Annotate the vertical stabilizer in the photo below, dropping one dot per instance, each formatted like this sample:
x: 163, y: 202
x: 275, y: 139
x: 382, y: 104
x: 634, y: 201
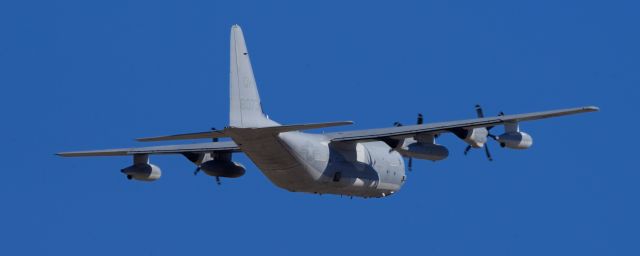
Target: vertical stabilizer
x: 245, y: 108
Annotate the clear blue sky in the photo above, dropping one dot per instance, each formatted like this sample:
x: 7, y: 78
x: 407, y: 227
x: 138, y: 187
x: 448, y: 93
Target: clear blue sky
x: 86, y: 74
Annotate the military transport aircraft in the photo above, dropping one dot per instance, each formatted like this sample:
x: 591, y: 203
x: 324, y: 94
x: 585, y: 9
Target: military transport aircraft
x: 364, y: 163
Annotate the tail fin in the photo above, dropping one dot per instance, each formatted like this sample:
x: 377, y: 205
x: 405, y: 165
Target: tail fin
x: 245, y: 107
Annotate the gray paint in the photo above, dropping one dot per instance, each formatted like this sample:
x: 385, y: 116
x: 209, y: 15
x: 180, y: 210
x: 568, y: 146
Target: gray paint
x: 366, y: 163
x: 245, y: 106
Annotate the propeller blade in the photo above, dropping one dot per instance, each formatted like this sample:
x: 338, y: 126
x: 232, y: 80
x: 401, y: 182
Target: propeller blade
x: 420, y: 119
x: 491, y: 127
x: 486, y: 150
x: 214, y: 139
x: 479, y: 111
x: 410, y: 163
x: 397, y: 124
x: 466, y: 150
x: 196, y: 171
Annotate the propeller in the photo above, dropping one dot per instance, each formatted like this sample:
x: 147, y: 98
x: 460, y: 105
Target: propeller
x: 216, y: 140
x: 480, y: 114
x: 217, y: 177
x: 420, y: 120
x: 197, y: 170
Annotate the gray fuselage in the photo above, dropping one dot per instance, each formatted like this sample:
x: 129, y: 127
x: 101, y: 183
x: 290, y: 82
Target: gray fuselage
x: 302, y: 162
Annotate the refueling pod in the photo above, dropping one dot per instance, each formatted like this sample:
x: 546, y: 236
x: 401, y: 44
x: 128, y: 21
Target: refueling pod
x: 513, y: 138
x: 142, y: 170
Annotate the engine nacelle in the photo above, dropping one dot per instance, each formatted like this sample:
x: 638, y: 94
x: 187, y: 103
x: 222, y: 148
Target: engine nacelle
x: 222, y: 168
x: 425, y: 151
x: 143, y: 172
x: 515, y: 140
x: 475, y: 137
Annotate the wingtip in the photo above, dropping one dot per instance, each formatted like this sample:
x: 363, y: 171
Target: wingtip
x: 592, y: 108
x: 345, y: 123
x: 62, y: 154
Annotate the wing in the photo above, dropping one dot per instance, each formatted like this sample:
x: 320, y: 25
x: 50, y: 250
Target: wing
x: 228, y: 146
x: 435, y: 128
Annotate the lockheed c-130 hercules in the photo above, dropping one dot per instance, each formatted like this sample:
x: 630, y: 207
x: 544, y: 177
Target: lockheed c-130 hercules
x: 364, y: 163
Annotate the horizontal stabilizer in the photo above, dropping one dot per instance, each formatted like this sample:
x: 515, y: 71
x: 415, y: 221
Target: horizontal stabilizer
x: 187, y: 136
x: 300, y: 127
x: 229, y: 146
x: 221, y: 133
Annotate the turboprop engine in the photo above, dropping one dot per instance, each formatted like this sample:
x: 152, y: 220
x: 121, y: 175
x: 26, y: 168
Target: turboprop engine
x: 476, y: 137
x: 423, y: 147
x: 217, y: 164
x: 425, y: 151
x: 222, y: 168
x: 142, y: 169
